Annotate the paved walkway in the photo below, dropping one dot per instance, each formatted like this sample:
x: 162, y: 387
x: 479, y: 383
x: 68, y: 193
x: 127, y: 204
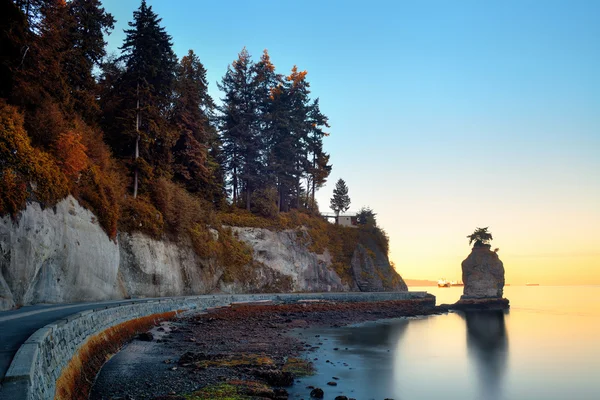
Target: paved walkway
x: 16, y: 326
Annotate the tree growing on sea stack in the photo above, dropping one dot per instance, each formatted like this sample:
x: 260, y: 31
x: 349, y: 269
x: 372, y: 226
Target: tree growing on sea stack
x: 340, y: 202
x: 481, y: 237
x: 483, y: 276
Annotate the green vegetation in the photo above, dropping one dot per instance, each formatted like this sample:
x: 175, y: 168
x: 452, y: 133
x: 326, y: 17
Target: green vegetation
x: 298, y: 367
x: 233, y: 390
x: 238, y: 360
x: 366, y: 216
x: 481, y: 237
x: 143, y: 140
x: 142, y: 144
x: 340, y: 202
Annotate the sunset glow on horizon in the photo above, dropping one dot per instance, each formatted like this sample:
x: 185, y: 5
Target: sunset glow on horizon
x: 445, y: 116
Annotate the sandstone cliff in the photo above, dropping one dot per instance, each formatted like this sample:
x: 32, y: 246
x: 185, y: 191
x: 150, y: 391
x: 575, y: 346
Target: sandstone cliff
x: 63, y: 255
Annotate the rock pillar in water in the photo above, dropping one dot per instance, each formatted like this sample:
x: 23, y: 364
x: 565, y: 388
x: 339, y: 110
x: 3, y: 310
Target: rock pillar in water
x: 482, y: 274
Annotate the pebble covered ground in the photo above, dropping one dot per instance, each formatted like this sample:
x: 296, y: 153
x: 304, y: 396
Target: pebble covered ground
x: 236, y: 352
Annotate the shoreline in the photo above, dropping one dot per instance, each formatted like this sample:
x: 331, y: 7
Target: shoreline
x: 248, y: 351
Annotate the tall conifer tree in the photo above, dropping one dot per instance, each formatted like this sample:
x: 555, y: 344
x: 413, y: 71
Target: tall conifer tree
x: 265, y: 80
x: 319, y: 168
x: 86, y: 50
x: 340, y: 202
x: 238, y: 123
x: 138, y: 124
x: 193, y: 106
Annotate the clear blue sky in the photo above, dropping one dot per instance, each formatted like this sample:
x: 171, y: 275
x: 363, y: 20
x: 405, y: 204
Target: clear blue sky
x: 445, y: 115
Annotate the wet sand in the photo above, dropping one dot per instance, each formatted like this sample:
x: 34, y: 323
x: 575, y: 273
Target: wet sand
x: 241, y: 342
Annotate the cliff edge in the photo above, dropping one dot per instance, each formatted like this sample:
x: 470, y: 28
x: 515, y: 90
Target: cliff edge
x: 62, y: 254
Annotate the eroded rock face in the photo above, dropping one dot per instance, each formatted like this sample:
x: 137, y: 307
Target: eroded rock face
x: 285, y: 253
x: 159, y: 268
x: 59, y: 254
x: 482, y: 274
x: 373, y: 273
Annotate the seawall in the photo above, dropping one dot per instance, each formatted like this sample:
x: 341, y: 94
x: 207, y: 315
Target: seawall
x: 41, y: 359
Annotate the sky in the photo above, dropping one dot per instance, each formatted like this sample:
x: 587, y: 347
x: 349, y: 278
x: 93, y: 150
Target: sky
x: 445, y: 116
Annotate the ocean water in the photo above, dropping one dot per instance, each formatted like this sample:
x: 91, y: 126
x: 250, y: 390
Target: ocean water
x: 546, y: 347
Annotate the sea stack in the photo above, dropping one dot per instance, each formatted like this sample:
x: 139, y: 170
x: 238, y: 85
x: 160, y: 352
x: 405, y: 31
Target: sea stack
x: 483, y: 276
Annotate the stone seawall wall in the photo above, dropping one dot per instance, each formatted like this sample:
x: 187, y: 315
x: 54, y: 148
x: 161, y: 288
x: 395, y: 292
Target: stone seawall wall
x: 41, y: 359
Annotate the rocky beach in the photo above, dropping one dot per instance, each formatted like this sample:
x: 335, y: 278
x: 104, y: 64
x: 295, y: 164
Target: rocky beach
x: 244, y: 351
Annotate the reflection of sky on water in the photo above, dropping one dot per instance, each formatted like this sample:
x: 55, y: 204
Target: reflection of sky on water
x: 553, y: 353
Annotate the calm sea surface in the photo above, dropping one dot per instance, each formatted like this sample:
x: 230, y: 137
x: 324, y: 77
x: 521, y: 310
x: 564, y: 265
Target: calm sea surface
x: 546, y: 347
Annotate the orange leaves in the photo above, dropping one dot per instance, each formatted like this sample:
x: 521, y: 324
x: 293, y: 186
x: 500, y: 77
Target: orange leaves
x: 14, y: 193
x: 140, y: 215
x: 275, y: 91
x: 23, y: 164
x: 296, y: 77
x: 266, y: 60
x: 71, y: 154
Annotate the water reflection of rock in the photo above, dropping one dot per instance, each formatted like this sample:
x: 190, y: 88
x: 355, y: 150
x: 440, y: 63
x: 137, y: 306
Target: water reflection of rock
x: 375, y: 334
x: 373, y: 343
x: 487, y: 343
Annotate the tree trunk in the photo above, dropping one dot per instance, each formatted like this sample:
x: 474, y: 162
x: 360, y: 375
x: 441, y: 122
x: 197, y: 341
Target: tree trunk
x: 308, y: 186
x: 247, y: 196
x: 137, y: 141
x: 282, y: 206
x: 278, y: 200
x: 313, y: 180
x: 298, y: 187
x: 234, y: 185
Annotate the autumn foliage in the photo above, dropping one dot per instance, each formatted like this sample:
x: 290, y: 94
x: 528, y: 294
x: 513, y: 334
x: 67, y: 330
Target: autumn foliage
x: 70, y: 154
x: 138, y: 140
x: 25, y: 170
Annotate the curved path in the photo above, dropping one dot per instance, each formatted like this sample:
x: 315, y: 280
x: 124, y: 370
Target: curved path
x: 16, y: 326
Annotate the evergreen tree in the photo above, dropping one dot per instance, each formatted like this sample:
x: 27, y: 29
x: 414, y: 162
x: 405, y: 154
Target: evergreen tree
x: 239, y: 129
x: 31, y: 10
x: 40, y: 87
x: 290, y: 137
x: 193, y: 165
x: 319, y: 168
x: 366, y: 216
x: 265, y: 80
x: 340, y: 202
x: 86, y: 50
x: 141, y: 99
x: 13, y: 36
x: 280, y: 145
x: 299, y: 109
x: 55, y: 71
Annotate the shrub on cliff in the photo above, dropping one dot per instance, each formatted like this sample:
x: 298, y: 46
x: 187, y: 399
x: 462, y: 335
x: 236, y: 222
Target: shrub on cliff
x: 264, y: 202
x: 180, y: 209
x: 366, y: 216
x: 141, y: 215
x: 14, y: 192
x: 25, y: 172
x: 368, y: 225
